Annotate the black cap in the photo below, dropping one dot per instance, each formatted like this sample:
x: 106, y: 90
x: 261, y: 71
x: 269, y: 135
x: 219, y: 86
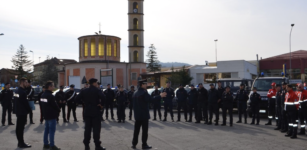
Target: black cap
x: 284, y: 83
x: 192, y: 85
x: 43, y: 87
x: 29, y: 81
x: 142, y: 82
x: 7, y: 84
x: 227, y: 86
x: 72, y: 86
x: 200, y: 84
x: 61, y: 87
x: 132, y: 86
x: 92, y: 80
x: 119, y: 86
x: 242, y: 84
x: 108, y: 84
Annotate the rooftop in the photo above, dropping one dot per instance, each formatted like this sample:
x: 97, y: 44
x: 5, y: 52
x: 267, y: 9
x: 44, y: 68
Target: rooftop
x: 295, y: 55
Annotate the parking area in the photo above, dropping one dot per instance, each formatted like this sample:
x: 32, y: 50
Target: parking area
x: 162, y: 135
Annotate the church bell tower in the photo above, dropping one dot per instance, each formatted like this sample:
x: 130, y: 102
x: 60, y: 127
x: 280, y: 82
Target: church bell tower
x: 136, y: 31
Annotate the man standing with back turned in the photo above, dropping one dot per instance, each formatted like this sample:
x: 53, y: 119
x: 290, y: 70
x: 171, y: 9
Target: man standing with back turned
x: 93, y: 100
x: 141, y: 99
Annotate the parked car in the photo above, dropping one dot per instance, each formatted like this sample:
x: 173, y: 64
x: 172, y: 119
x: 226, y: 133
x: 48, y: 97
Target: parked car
x: 37, y: 90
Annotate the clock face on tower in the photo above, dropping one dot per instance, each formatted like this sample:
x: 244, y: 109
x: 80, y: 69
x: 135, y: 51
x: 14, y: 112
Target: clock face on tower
x: 135, y: 10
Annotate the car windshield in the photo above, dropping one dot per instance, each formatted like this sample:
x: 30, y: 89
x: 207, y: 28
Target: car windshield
x: 37, y: 90
x: 265, y: 84
x: 234, y: 85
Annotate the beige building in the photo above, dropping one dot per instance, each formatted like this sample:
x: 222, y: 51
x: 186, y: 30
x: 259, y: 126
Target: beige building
x: 99, y: 55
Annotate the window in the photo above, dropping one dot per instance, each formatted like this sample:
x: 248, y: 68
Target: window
x: 135, y: 56
x: 135, y: 23
x: 115, y: 48
x: 101, y: 47
x: 135, y: 5
x: 93, y: 47
x: 135, y: 40
x: 133, y: 76
x: 109, y: 48
x: 226, y: 75
x: 85, y: 48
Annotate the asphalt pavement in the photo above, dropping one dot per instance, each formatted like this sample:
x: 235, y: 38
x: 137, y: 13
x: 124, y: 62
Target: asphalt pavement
x: 162, y: 135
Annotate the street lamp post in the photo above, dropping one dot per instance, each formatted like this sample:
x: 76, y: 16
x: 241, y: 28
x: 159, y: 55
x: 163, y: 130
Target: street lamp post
x: 32, y: 55
x: 290, y: 51
x: 216, y: 50
x: 1, y: 34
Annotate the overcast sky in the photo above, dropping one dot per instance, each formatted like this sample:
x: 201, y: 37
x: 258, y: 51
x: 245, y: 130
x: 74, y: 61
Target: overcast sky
x: 181, y: 30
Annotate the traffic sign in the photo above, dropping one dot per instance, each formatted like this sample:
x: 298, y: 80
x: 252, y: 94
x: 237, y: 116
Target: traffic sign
x: 16, y: 80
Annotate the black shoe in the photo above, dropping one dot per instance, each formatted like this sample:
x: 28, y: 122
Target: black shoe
x: 24, y: 145
x: 245, y: 122
x: 3, y: 124
x: 197, y: 122
x: 239, y: 121
x: 46, y: 147
x: 223, y: 124
x: 54, y: 148
x: 178, y: 120
x: 65, y: 121
x: 209, y: 123
x: 146, y: 147
x: 231, y: 125
x: 173, y: 120
x: 32, y: 123
x: 130, y: 118
x: 112, y: 118
x: 252, y: 123
x: 133, y: 147
x: 190, y: 121
x: 100, y: 148
x: 164, y: 119
x: 293, y: 137
x: 11, y: 124
x: 87, y: 147
x: 216, y: 124
x: 154, y: 119
x: 277, y: 129
x: 283, y: 131
x: 106, y: 118
x: 119, y: 121
x: 76, y: 121
x: 269, y: 123
x: 288, y: 135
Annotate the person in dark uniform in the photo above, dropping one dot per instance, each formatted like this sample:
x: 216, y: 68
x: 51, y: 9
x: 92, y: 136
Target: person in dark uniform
x: 192, y: 102
x: 41, y: 119
x: 71, y: 104
x: 121, y: 99
x: 60, y: 98
x: 85, y: 86
x: 277, y: 107
x: 182, y: 96
x: 213, y: 100
x: 284, y: 122
x: 141, y: 100
x: 168, y: 101
x: 30, y: 94
x: 6, y: 102
x: 220, y: 90
x: 109, y: 93
x: 51, y: 113
x: 255, y: 100
x: 94, y: 100
x: 202, y: 104
x: 241, y: 98
x: 157, y: 104
x: 22, y: 110
x: 302, y: 109
x: 291, y: 106
x: 130, y: 94
x: 227, y: 100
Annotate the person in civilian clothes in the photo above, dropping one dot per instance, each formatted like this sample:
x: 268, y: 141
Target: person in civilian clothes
x: 51, y: 113
x: 157, y: 104
x: 22, y: 110
x: 255, y: 100
x: 130, y: 94
x: 6, y: 102
x: 227, y: 99
x: 41, y: 119
x: 192, y: 102
x: 71, y: 104
x: 121, y: 99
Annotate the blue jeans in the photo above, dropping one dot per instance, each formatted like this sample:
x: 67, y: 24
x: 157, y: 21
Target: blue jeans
x: 50, y: 126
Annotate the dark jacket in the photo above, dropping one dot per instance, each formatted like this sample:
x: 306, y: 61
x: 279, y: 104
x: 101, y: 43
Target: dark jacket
x: 192, y: 97
x: 50, y: 108
x: 242, y: 96
x: 181, y: 95
x: 22, y: 104
x: 141, y: 100
x: 6, y: 97
x: 221, y: 92
x: 283, y: 97
x: 202, y: 96
x: 227, y: 98
x: 278, y: 99
x: 130, y: 94
x: 255, y: 99
x: 213, y: 96
x: 91, y: 98
x: 121, y: 98
x: 70, y: 97
x: 60, y: 97
x: 30, y: 93
x: 170, y: 95
x: 39, y: 97
x: 156, y: 93
x: 110, y: 94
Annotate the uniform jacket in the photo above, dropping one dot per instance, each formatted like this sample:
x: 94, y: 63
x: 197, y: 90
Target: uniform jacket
x: 213, y: 96
x: 221, y: 91
x: 278, y: 98
x: 255, y: 99
x: 303, y: 99
x: 39, y: 97
x: 50, y: 108
x: 192, y: 97
x: 70, y: 97
x: 141, y: 100
x: 6, y: 97
x: 170, y: 95
x: 227, y: 98
x: 91, y: 97
x: 156, y: 93
x: 110, y: 94
x: 30, y: 93
x: 60, y: 97
x: 181, y: 95
x: 121, y: 98
x: 202, y: 96
x: 130, y: 94
x: 271, y: 93
x: 22, y: 104
x: 291, y: 101
x: 242, y: 96
x: 283, y: 97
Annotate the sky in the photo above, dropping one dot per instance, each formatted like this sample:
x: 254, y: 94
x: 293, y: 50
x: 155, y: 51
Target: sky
x: 181, y: 30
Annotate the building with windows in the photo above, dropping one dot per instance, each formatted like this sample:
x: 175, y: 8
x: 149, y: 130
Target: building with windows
x: 273, y: 66
x: 99, y: 55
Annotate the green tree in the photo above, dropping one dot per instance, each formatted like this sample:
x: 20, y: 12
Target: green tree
x: 21, y: 63
x: 49, y: 72
x: 153, y: 64
x: 181, y: 76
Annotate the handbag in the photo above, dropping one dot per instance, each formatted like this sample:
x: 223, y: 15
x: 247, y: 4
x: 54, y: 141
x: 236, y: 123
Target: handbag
x: 31, y: 103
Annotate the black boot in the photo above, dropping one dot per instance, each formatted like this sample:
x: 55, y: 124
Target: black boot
x: 239, y: 121
x: 302, y: 131
x: 269, y: 123
x: 164, y: 119
x: 289, y: 133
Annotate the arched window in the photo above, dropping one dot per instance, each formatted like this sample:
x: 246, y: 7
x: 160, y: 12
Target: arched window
x: 109, y: 47
x: 135, y: 23
x: 115, y: 48
x: 135, y: 56
x: 101, y: 47
x: 93, y: 47
x: 135, y: 40
x: 85, y: 48
x: 135, y: 7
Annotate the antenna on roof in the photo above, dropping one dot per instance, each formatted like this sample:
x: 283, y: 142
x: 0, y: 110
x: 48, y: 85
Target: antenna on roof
x: 99, y: 28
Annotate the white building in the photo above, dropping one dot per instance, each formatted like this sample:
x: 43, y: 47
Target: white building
x: 224, y: 69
